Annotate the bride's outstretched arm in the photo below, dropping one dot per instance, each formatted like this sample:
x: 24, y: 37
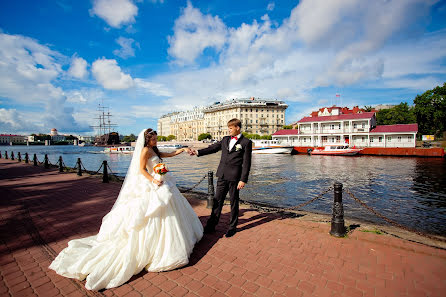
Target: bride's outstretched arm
x: 172, y: 154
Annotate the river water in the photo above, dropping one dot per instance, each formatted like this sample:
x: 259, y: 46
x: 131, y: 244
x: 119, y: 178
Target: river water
x: 409, y: 190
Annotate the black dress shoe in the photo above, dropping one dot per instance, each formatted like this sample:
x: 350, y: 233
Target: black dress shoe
x: 209, y: 229
x: 230, y: 232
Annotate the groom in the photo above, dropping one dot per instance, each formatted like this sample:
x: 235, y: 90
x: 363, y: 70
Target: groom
x: 232, y: 173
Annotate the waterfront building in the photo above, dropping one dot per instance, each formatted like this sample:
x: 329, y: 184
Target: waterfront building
x: 335, y: 125
x: 258, y: 116
x: 164, y: 124
x: 87, y: 139
x: 55, y: 135
x: 6, y: 139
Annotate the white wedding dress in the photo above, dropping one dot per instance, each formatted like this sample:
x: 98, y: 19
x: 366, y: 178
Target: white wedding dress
x: 149, y: 227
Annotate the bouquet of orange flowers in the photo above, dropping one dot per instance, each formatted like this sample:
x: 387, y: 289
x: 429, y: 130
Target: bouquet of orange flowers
x: 160, y: 169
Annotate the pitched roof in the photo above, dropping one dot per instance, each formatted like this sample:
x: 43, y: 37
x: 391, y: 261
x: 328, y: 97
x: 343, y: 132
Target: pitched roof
x: 352, y: 116
x: 395, y: 128
x: 286, y: 132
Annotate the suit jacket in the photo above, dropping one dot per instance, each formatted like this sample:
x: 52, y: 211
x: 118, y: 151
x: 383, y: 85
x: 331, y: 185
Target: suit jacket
x: 235, y: 164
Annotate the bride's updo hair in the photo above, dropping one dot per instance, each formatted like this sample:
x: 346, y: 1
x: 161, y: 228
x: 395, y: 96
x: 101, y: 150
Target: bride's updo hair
x: 148, y: 135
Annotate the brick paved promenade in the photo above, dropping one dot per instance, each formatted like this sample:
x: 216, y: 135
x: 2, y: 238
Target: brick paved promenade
x: 41, y: 210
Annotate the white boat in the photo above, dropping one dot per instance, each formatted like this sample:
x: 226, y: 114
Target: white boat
x: 169, y: 147
x: 119, y: 149
x: 271, y: 147
x: 336, y: 150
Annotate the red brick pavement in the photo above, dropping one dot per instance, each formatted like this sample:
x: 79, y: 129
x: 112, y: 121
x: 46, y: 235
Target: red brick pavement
x: 41, y: 210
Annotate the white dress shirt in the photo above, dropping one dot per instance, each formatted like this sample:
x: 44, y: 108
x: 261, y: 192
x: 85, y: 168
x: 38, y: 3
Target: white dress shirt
x: 233, y: 141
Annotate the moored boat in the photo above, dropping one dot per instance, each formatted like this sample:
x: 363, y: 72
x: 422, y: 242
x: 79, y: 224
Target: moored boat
x: 271, y: 147
x: 119, y: 149
x: 169, y: 147
x: 336, y: 150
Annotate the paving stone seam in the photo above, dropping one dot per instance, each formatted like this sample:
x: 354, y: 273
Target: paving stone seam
x: 47, y: 250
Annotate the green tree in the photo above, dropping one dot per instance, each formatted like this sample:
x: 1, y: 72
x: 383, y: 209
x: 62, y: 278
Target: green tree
x: 269, y: 137
x: 171, y: 137
x: 399, y: 114
x: 204, y: 136
x: 430, y: 111
x: 368, y: 108
x: 129, y: 138
x: 287, y: 127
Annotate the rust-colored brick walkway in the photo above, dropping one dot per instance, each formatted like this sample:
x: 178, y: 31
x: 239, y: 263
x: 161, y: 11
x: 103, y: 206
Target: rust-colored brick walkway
x: 41, y: 210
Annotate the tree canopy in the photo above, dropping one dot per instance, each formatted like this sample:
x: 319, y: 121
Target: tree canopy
x: 129, y: 138
x: 204, y: 136
x: 399, y: 114
x: 430, y: 111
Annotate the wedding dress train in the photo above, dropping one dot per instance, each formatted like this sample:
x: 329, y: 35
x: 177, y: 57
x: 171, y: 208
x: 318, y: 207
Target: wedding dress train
x: 151, y: 227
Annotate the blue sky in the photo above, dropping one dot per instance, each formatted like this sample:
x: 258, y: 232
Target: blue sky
x: 143, y: 58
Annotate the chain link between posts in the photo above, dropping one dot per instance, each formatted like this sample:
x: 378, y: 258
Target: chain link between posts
x: 196, y: 185
x: 390, y: 221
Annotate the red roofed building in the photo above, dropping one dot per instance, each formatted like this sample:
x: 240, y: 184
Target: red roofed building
x: 336, y: 125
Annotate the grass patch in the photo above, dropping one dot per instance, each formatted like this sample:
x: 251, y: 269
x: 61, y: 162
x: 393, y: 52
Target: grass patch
x: 376, y: 231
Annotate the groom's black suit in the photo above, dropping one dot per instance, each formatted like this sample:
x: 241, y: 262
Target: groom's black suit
x: 234, y: 167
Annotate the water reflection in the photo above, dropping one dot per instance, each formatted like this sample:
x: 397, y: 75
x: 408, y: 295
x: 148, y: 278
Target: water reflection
x: 411, y: 191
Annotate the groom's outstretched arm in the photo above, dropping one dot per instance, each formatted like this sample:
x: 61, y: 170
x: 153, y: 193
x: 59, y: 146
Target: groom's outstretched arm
x: 213, y: 148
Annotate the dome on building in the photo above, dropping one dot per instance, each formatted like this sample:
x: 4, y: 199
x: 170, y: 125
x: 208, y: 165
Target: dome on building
x: 53, y: 131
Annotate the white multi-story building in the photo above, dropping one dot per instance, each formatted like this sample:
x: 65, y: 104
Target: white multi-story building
x: 332, y: 126
x: 258, y: 116
x: 86, y: 138
x: 10, y: 138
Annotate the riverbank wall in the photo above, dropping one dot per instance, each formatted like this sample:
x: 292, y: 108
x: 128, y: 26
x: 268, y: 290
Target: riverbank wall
x: 437, y: 152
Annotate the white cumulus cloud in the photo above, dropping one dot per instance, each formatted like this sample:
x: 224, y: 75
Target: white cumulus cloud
x: 126, y: 50
x: 195, y: 32
x: 78, y: 68
x: 109, y: 75
x: 115, y: 12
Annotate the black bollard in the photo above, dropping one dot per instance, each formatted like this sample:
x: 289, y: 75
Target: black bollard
x: 211, y: 192
x: 79, y: 169
x: 26, y: 158
x: 6, y: 154
x: 46, y: 164
x: 0, y: 154
x: 105, y: 174
x: 60, y: 164
x: 35, y: 160
x: 19, y: 157
x: 337, y: 221
x: 12, y: 155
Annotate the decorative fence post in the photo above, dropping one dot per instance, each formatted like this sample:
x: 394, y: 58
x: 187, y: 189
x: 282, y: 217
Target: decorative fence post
x: 26, y: 158
x: 337, y: 221
x: 12, y: 155
x: 46, y: 164
x: 0, y: 154
x: 79, y: 169
x: 19, y: 157
x: 60, y: 164
x: 105, y: 174
x: 6, y: 154
x: 211, y: 192
x: 35, y: 160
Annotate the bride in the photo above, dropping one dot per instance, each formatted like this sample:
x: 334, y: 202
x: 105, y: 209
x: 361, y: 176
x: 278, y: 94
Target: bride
x: 151, y: 226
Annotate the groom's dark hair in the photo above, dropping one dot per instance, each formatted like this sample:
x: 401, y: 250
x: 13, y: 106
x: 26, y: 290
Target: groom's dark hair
x: 235, y: 122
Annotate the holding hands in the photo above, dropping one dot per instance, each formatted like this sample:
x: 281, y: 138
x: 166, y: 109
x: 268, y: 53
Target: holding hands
x: 191, y: 151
